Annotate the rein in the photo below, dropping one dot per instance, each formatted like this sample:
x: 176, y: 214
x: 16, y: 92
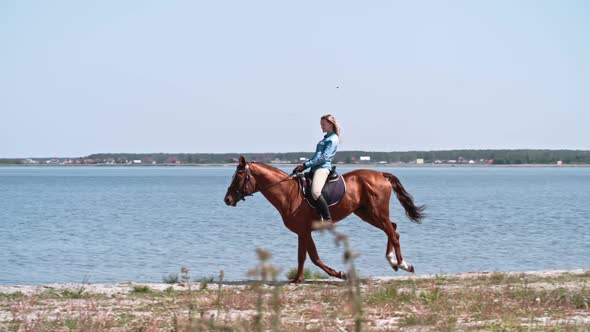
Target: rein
x: 241, y: 193
x: 274, y: 184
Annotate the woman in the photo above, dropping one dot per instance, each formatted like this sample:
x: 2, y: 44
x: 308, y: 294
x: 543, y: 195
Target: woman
x: 321, y: 163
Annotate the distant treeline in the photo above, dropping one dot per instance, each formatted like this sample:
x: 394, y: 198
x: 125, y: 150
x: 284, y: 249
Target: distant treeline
x: 498, y: 156
x: 459, y: 156
x: 11, y: 161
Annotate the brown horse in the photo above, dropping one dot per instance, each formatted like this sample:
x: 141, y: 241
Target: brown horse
x: 367, y: 195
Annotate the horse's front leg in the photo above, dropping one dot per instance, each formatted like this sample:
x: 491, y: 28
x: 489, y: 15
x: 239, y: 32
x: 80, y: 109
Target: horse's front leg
x: 315, y: 258
x: 301, y: 255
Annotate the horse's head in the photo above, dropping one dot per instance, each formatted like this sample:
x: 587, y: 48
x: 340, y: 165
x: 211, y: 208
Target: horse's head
x: 243, y: 184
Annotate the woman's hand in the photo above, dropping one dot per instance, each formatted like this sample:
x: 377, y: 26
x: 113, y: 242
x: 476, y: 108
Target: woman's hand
x: 299, y: 169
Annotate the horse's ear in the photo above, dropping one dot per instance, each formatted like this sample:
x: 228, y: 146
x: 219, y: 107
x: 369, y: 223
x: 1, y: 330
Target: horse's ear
x: 242, y: 162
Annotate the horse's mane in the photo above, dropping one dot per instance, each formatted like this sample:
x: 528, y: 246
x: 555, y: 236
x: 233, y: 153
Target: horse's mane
x: 268, y: 167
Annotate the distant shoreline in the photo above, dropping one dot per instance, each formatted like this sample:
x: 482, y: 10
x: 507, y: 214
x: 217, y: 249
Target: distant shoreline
x: 293, y: 165
x: 453, y: 158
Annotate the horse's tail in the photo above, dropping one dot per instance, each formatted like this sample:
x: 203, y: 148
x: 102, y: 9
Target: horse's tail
x: 415, y: 213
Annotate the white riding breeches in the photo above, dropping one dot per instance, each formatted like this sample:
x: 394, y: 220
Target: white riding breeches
x: 319, y: 179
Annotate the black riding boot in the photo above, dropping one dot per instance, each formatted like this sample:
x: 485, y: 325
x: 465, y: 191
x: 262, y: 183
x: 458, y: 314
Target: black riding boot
x: 323, y: 209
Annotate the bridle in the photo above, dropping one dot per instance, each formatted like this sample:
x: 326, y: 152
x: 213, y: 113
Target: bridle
x: 241, y: 192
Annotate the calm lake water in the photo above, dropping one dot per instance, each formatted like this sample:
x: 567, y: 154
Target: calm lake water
x: 113, y: 224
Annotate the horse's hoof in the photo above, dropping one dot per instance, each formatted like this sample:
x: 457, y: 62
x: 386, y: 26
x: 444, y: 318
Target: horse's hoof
x: 342, y: 275
x: 407, y: 267
x: 296, y: 281
x: 393, y: 262
x: 394, y: 265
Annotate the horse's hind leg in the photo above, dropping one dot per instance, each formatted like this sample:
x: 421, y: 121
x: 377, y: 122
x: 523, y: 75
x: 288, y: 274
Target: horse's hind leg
x: 393, y: 245
x: 398, y: 262
x: 394, y: 248
x: 315, y: 258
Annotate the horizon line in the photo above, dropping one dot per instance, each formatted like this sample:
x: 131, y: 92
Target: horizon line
x: 251, y: 153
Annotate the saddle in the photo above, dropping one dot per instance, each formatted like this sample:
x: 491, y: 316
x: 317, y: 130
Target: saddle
x: 333, y: 190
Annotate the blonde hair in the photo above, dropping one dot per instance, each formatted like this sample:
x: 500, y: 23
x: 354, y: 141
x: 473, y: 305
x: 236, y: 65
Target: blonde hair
x: 330, y: 118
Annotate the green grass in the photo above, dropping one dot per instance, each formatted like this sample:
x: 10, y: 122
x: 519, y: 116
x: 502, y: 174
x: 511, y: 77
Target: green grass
x: 204, y: 282
x: 581, y: 301
x: 390, y: 294
x: 492, y: 302
x: 307, y: 274
x: 419, y: 320
x: 11, y: 296
x: 430, y: 296
x: 171, y: 278
x: 141, y: 290
x: 67, y: 294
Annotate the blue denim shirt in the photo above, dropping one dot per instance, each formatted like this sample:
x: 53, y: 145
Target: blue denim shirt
x: 324, y: 152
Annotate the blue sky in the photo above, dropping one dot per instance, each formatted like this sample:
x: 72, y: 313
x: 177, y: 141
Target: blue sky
x: 81, y: 77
